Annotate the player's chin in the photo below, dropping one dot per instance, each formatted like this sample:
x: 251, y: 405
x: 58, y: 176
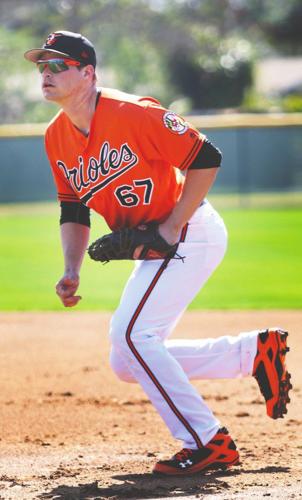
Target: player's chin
x: 49, y: 93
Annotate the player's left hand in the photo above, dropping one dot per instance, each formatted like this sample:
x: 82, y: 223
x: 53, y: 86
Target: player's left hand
x: 169, y: 233
x: 166, y: 233
x: 143, y: 242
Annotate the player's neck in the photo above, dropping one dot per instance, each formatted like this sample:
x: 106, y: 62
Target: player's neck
x: 80, y: 109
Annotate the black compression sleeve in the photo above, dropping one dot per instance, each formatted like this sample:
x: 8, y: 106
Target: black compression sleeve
x: 74, y: 212
x: 207, y: 157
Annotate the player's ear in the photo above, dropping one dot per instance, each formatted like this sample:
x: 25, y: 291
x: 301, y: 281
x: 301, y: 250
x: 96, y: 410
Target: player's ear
x: 88, y: 71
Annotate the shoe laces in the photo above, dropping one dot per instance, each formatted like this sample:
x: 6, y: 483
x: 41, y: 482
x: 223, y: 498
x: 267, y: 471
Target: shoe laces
x: 183, y: 454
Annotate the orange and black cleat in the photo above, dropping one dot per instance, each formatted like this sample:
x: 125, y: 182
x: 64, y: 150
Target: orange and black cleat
x: 219, y: 453
x: 270, y: 371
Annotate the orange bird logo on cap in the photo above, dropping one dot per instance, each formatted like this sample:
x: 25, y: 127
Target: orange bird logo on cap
x: 52, y: 38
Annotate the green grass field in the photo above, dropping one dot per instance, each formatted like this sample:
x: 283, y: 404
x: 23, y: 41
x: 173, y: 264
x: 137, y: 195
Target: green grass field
x: 261, y: 270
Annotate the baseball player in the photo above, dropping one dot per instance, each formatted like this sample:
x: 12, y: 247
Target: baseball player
x: 139, y: 165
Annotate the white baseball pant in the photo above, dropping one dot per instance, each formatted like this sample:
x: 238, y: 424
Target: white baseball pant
x: 153, y: 300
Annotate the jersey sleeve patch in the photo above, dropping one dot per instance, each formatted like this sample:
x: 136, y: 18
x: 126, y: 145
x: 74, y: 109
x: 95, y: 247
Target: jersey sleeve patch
x: 175, y: 123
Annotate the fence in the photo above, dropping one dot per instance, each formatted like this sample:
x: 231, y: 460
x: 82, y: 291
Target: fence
x: 260, y: 153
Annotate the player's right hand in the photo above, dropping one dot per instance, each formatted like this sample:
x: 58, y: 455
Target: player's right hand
x: 66, y: 289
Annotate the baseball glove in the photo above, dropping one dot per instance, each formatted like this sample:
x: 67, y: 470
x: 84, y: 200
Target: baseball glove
x: 121, y: 244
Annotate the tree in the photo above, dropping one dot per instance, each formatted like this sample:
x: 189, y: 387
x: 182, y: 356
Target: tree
x: 201, y: 50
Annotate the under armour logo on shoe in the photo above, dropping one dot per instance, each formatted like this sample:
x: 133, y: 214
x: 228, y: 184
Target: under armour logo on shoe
x: 185, y: 464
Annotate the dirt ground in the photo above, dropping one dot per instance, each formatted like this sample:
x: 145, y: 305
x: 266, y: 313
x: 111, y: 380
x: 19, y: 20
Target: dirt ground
x: 70, y: 430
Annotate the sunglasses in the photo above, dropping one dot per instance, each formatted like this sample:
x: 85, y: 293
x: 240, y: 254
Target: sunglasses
x: 57, y: 65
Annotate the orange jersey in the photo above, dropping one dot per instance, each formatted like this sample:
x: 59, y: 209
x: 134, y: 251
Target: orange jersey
x: 126, y: 169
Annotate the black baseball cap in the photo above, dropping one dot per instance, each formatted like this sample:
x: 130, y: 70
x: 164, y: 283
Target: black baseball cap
x: 67, y: 44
